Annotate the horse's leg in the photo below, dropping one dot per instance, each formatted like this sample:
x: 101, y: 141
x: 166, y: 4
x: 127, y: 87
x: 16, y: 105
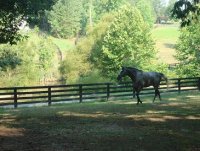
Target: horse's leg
x: 138, y: 98
x: 133, y: 92
x: 156, y: 93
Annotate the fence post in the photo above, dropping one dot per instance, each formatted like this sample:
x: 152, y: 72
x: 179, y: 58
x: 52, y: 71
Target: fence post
x: 108, y: 91
x: 179, y: 85
x: 15, y: 97
x: 80, y: 93
x: 49, y: 96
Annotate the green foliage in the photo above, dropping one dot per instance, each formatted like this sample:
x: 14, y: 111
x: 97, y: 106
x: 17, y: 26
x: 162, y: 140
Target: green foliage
x: 169, y: 8
x: 74, y: 66
x: 126, y: 42
x: 94, y: 76
x: 188, y: 51
x: 94, y: 10
x: 29, y: 61
x: 186, y: 10
x: 102, y: 7
x: 65, y: 17
x: 146, y: 10
x: 12, y: 12
x: 77, y: 65
x: 9, y: 59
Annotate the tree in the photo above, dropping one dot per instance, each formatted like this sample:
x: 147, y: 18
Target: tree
x: 187, y: 11
x: 188, y: 51
x: 159, y: 7
x: 9, y: 60
x: 126, y: 42
x: 169, y: 8
x: 77, y: 64
x: 12, y: 12
x: 29, y: 61
x: 94, y: 10
x: 65, y: 18
x: 146, y: 10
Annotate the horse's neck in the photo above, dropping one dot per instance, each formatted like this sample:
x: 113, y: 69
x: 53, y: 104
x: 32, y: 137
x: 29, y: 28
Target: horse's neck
x: 132, y: 75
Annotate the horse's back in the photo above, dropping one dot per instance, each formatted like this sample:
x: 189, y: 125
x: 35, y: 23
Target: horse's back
x: 151, y: 78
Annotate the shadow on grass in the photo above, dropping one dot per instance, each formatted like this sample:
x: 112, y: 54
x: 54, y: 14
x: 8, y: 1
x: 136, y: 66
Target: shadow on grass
x: 102, y: 126
x: 169, y: 45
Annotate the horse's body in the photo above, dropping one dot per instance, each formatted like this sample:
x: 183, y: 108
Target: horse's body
x: 142, y: 79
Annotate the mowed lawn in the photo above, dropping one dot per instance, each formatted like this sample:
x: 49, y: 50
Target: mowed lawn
x: 118, y: 125
x: 166, y: 37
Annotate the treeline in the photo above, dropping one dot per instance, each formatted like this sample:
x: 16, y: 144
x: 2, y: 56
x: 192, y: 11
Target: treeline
x: 109, y: 34
x: 73, y: 18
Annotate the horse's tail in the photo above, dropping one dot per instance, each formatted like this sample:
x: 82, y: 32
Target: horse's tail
x: 166, y: 79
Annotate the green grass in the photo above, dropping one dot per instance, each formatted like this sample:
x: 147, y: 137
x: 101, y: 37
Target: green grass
x: 63, y: 44
x: 170, y: 33
x: 166, y: 37
x: 173, y: 124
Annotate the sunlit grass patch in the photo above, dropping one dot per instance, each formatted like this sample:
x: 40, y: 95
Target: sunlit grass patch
x: 166, y: 37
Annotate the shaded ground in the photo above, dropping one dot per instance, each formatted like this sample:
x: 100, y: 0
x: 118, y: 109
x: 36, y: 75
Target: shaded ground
x: 173, y: 124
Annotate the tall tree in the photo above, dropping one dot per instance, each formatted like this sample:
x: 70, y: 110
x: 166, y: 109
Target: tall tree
x: 146, y: 9
x: 188, y: 51
x: 126, y: 42
x: 169, y: 8
x: 95, y: 9
x: 187, y: 11
x: 159, y: 7
x: 12, y: 12
x: 65, y: 18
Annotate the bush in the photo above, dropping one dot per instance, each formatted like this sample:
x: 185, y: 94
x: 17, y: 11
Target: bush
x: 188, y: 51
x: 29, y: 62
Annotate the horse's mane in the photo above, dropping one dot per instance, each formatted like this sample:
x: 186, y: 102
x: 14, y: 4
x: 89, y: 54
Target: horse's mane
x: 133, y: 69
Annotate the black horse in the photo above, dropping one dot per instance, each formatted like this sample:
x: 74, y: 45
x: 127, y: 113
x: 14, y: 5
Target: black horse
x: 142, y: 79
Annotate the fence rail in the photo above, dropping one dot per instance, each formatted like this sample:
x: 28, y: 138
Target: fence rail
x: 82, y: 92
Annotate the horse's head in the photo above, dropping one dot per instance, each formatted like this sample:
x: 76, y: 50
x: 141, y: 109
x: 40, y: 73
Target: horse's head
x: 122, y: 73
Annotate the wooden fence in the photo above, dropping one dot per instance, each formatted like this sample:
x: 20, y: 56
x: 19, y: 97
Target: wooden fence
x: 83, y: 92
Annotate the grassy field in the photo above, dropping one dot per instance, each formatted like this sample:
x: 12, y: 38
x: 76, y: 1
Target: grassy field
x: 173, y: 124
x: 166, y: 37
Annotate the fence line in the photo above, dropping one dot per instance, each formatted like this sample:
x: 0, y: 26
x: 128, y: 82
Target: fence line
x: 81, y: 92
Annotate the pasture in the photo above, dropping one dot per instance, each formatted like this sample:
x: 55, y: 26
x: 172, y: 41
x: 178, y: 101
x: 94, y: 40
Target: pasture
x: 166, y: 37
x: 119, y: 125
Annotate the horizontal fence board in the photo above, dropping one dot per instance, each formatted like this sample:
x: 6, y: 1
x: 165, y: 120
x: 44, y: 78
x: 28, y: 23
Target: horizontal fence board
x: 95, y: 97
x: 33, y: 92
x: 33, y: 102
x: 118, y: 91
x: 63, y: 95
x: 94, y: 93
x: 32, y: 97
x: 96, y: 88
x: 65, y: 90
x: 65, y: 100
x: 6, y: 93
